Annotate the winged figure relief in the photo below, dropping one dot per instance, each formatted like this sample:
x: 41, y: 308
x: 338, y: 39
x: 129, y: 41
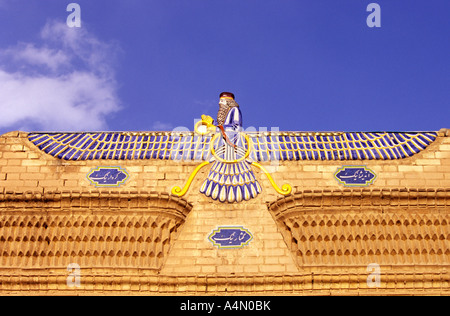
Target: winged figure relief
x: 233, y: 153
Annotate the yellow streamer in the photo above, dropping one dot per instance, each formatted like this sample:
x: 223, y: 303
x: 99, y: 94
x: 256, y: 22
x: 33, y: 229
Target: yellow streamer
x: 286, y: 189
x: 180, y: 192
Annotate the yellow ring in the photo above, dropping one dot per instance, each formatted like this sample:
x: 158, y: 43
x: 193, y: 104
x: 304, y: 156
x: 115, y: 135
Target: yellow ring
x: 197, y: 125
x: 213, y: 151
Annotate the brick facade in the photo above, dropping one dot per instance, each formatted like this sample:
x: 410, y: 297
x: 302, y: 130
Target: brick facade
x: 140, y: 239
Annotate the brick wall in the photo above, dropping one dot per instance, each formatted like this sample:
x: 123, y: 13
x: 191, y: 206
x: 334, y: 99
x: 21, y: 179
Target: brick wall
x: 30, y: 181
x: 25, y: 168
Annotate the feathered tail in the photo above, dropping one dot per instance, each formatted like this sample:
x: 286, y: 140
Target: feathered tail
x: 231, y: 182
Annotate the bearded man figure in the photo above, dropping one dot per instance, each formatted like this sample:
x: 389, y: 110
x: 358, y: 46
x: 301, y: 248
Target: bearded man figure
x: 231, y: 178
x: 229, y: 120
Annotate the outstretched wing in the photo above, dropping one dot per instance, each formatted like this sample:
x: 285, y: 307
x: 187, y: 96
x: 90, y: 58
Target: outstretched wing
x: 123, y: 145
x: 265, y: 146
x: 338, y: 146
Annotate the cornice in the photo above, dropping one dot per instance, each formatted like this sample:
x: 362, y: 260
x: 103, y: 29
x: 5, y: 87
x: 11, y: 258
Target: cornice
x: 110, y: 200
x: 358, y: 198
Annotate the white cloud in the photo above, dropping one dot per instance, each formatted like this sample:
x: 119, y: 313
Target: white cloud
x: 33, y: 56
x: 78, y: 101
x: 66, y: 83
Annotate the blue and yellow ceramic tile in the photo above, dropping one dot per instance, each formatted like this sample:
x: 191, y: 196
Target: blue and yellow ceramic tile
x: 231, y: 178
x: 355, y: 176
x: 266, y: 146
x: 230, y: 237
x: 108, y: 176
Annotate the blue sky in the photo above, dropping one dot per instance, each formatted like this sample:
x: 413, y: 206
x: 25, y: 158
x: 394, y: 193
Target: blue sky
x: 145, y: 65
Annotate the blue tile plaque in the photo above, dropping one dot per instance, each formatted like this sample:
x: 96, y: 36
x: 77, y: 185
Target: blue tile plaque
x: 356, y: 176
x: 230, y: 237
x: 108, y: 176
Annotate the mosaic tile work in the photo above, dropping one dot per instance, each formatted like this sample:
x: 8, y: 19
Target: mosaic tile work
x: 265, y: 146
x: 230, y: 237
x: 122, y: 146
x: 339, y: 146
x: 355, y: 176
x: 108, y: 176
x: 231, y: 182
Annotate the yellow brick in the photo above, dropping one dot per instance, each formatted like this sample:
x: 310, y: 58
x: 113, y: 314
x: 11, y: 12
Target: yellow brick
x: 187, y: 269
x: 208, y: 269
x: 410, y: 168
x: 32, y: 169
x: 14, y: 162
x: 251, y: 269
x: 30, y: 183
x: 428, y: 155
x: 163, y: 169
x: 34, y: 162
x: 206, y: 260
x: 70, y: 183
x: 70, y: 169
x: 150, y: 169
x: 444, y: 154
x: 303, y: 182
x: 305, y: 175
x: 17, y: 148
x: 444, y: 168
x: 32, y: 155
x: 12, y: 183
x: 14, y: 169
x: 390, y: 168
x: 134, y: 169
x: 51, y: 183
x: 327, y: 169
x: 309, y: 168
x: 32, y: 176
x: 71, y: 176
x: 174, y: 176
x: 229, y: 269
x: 270, y: 243
x: 47, y: 169
x: 392, y: 182
x: 12, y: 176
x: 428, y: 162
x: 271, y: 268
x: 432, y: 183
x: 271, y: 260
x: 434, y: 175
x: 15, y: 155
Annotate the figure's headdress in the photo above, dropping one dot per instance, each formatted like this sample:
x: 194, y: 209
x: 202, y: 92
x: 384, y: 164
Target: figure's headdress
x: 227, y: 95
